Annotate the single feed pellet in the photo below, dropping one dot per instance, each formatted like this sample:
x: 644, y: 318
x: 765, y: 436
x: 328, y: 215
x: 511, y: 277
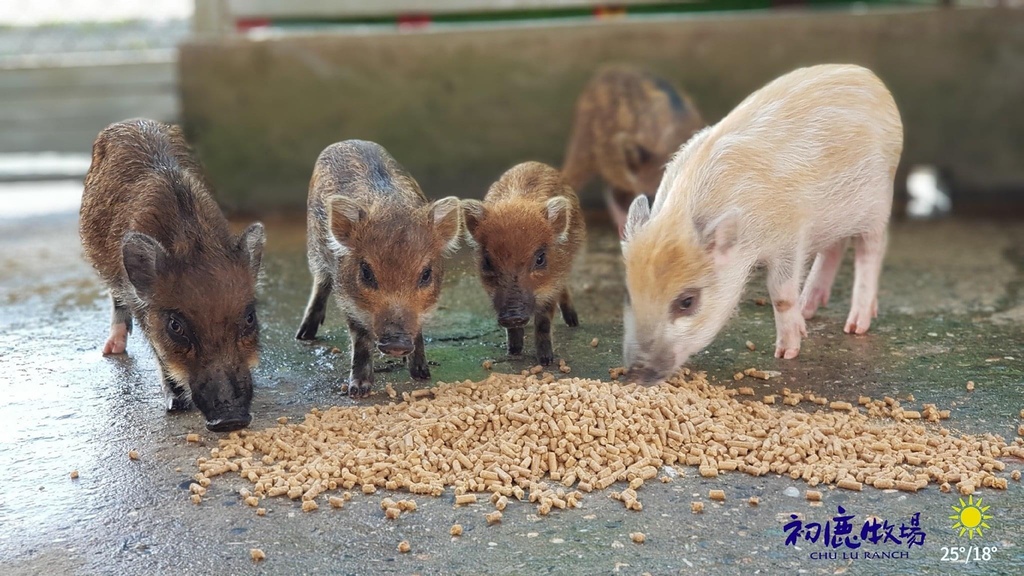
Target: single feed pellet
x: 133, y: 455
x: 74, y: 474
x: 193, y: 438
x: 404, y: 546
x: 456, y: 530
x: 493, y: 517
x: 512, y: 435
x: 638, y: 537
x: 257, y: 555
x: 696, y: 507
x: 717, y: 495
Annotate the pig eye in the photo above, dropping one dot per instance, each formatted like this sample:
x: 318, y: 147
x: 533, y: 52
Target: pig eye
x: 250, y: 318
x: 540, y: 259
x: 426, y: 276
x: 178, y: 330
x: 686, y: 303
x: 366, y: 274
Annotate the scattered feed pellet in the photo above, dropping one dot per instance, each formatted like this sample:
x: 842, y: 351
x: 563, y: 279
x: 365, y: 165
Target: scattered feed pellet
x: 309, y: 505
x: 813, y: 495
x: 493, y: 517
x: 637, y: 537
x: 750, y: 346
x: 717, y: 495
x: 133, y: 455
x: 753, y: 500
x: 257, y: 555
x: 407, y: 505
x: 252, y: 501
x: 196, y: 498
x: 404, y: 546
x: 261, y: 511
x: 336, y: 501
x: 1015, y: 475
x: 594, y: 343
x: 511, y: 434
x: 282, y: 420
x: 392, y: 513
x: 970, y: 385
x: 487, y: 364
x: 192, y: 438
x: 696, y: 507
x: 456, y: 530
x: 74, y: 474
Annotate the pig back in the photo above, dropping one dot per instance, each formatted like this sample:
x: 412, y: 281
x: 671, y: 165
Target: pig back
x: 813, y: 153
x: 143, y: 178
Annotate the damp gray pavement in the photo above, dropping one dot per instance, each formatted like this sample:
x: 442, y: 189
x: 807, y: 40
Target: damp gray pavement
x: 952, y: 310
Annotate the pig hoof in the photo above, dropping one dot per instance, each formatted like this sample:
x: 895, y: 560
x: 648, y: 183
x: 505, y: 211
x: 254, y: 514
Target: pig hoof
x: 545, y: 358
x: 307, y: 331
x: 571, y: 318
x: 178, y: 404
x: 787, y: 353
x: 117, y: 342
x: 420, y: 372
x: 358, y: 389
x: 115, y: 346
x: 515, y: 350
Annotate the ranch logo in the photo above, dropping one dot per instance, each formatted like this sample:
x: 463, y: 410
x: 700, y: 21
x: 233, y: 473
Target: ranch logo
x: 876, y: 539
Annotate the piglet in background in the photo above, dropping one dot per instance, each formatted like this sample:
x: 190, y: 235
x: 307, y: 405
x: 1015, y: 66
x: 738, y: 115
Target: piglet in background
x: 799, y: 168
x: 627, y: 125
x: 527, y: 232
x: 376, y: 242
x: 162, y: 246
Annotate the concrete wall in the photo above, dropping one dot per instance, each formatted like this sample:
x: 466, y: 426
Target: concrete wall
x: 459, y: 107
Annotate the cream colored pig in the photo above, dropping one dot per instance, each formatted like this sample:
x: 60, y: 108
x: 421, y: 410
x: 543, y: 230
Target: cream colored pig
x: 798, y: 168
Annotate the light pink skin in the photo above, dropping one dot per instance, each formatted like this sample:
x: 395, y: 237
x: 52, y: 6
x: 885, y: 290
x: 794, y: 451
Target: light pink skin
x: 117, y: 342
x: 799, y: 169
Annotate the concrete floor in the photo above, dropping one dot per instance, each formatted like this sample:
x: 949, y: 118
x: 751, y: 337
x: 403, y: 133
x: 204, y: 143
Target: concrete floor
x: 952, y: 310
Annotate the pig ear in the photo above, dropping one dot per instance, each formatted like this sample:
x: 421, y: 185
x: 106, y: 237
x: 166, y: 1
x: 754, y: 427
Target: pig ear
x: 343, y: 215
x: 251, y: 243
x: 473, y: 213
x: 143, y: 259
x: 639, y: 214
x: 719, y: 237
x: 446, y: 217
x: 559, y: 212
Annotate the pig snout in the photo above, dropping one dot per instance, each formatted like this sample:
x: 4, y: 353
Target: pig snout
x: 515, y: 306
x: 224, y: 398
x: 512, y: 318
x: 395, y: 344
x: 644, y: 375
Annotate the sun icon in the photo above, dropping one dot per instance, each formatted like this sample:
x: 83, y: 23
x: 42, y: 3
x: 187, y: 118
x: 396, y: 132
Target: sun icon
x: 970, y: 517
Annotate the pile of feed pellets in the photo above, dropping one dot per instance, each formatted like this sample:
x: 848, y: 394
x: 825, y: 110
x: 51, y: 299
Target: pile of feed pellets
x: 536, y: 438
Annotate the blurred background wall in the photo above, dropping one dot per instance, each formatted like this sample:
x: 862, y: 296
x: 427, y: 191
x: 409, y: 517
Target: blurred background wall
x: 459, y: 90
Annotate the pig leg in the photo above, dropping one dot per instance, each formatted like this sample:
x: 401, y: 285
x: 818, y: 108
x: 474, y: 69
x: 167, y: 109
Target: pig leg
x: 818, y: 286
x: 542, y: 334
x: 316, y: 310
x: 418, y: 366
x: 784, y: 288
x: 177, y: 398
x: 120, y: 328
x: 360, y: 379
x: 515, y: 340
x: 869, y: 250
x: 615, y: 198
x: 568, y: 310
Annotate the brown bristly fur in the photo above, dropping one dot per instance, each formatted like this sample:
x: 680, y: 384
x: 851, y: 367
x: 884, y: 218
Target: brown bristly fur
x: 627, y: 125
x: 144, y: 186
x: 366, y: 212
x: 530, y: 210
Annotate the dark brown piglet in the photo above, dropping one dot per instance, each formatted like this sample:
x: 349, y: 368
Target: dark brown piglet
x: 376, y: 242
x: 527, y: 232
x: 162, y: 246
x: 627, y: 125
